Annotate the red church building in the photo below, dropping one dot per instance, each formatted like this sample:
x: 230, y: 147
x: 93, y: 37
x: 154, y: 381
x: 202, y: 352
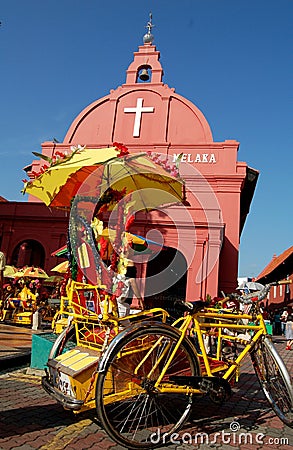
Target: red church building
x: 201, y: 237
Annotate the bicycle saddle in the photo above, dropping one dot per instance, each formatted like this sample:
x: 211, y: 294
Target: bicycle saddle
x: 191, y: 307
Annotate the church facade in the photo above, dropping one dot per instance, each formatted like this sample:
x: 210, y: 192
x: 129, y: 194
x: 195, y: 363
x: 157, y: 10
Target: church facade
x: 200, y: 237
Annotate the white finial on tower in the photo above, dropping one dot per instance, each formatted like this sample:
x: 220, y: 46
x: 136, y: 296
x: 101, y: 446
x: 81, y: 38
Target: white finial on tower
x: 148, y: 37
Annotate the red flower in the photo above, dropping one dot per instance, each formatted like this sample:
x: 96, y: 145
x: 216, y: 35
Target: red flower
x: 44, y: 168
x: 103, y: 208
x: 57, y: 153
x: 129, y: 222
x: 114, y: 260
x: 123, y: 149
x: 104, y: 247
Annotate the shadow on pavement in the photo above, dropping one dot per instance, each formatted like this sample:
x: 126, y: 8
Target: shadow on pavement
x: 247, y: 406
x: 37, y: 418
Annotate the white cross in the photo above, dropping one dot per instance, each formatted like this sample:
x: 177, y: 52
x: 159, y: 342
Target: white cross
x: 138, y: 110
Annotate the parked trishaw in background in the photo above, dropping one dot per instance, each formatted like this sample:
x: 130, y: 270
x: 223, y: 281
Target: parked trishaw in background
x: 23, y: 295
x: 19, y: 309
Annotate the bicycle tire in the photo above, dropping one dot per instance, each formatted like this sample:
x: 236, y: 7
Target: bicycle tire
x: 143, y: 418
x: 274, y: 379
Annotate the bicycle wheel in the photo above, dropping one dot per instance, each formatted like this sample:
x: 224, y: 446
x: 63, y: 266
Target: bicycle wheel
x: 132, y: 411
x: 274, y: 379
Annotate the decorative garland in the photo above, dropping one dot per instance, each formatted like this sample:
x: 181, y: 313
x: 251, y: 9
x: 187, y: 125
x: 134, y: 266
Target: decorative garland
x: 110, y: 197
x: 157, y: 159
x: 53, y: 161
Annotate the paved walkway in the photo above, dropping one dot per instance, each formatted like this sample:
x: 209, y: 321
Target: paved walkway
x: 15, y: 344
x: 30, y: 419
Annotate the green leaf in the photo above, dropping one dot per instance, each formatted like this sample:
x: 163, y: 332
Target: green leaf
x: 40, y: 155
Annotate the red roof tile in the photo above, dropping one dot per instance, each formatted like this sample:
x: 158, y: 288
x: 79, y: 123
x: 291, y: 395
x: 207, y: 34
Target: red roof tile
x: 275, y: 262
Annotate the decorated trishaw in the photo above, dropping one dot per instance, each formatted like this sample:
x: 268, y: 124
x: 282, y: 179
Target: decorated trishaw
x: 104, y: 190
x: 23, y: 296
x: 20, y: 309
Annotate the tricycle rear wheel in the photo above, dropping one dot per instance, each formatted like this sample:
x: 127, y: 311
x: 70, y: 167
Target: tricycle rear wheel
x: 132, y: 411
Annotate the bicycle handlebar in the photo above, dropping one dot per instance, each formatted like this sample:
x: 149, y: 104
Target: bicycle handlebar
x: 257, y: 296
x: 253, y: 297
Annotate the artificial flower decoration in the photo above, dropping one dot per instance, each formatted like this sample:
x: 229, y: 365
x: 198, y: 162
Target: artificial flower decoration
x: 57, y: 158
x: 97, y: 226
x: 164, y: 162
x: 123, y: 149
x: 129, y: 221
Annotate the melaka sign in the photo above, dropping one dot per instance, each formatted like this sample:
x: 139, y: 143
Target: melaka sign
x: 208, y: 158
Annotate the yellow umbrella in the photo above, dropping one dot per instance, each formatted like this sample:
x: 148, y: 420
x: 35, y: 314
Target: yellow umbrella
x: 61, y: 268
x: 72, y: 170
x: 53, y: 279
x: 9, y: 271
x: 91, y: 172
x: 31, y: 272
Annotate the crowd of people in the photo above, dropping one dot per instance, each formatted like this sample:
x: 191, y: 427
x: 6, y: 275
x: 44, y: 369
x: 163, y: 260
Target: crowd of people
x: 34, y: 294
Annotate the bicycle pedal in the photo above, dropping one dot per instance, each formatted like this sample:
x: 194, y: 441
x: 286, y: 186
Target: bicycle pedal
x: 186, y: 380
x: 191, y: 381
x: 205, y: 384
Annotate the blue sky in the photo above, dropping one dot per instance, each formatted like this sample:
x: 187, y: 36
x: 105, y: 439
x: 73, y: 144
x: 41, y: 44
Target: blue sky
x: 231, y: 58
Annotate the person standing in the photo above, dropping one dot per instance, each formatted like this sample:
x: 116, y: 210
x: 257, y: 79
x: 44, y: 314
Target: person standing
x: 289, y: 332
x: 2, y: 268
x: 130, y: 275
x: 284, y: 317
x: 277, y: 323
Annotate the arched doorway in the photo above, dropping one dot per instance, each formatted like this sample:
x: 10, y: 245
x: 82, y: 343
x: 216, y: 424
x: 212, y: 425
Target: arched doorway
x: 28, y: 253
x: 166, y: 279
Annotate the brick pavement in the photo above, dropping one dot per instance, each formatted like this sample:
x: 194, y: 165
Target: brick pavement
x: 14, y: 341
x: 31, y: 420
x: 15, y: 344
